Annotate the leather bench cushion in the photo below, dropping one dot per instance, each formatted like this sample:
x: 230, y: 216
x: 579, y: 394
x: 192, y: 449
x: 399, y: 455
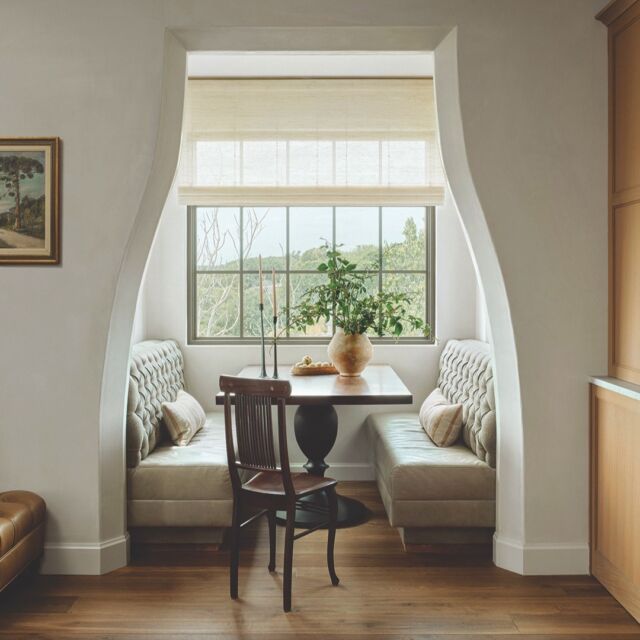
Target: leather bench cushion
x: 437, y: 513
x: 156, y: 374
x: 21, y: 555
x: 198, y: 471
x: 180, y: 513
x: 466, y: 378
x: 414, y: 468
x: 20, y: 513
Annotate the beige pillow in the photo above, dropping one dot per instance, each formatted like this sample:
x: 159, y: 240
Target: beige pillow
x: 440, y: 419
x: 183, y: 418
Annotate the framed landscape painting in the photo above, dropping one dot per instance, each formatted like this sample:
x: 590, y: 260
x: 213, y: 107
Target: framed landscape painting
x: 29, y: 201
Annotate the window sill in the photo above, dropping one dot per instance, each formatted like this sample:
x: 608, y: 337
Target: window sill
x: 300, y: 342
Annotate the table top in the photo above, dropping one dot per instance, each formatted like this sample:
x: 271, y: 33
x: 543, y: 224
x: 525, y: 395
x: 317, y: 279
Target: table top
x: 378, y: 384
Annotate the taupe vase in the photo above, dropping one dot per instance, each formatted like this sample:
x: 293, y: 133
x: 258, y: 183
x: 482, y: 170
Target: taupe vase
x: 350, y: 354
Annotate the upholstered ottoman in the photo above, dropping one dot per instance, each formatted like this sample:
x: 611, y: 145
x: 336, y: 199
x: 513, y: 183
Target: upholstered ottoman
x: 22, y: 516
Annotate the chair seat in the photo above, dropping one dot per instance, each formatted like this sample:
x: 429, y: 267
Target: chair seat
x: 270, y: 482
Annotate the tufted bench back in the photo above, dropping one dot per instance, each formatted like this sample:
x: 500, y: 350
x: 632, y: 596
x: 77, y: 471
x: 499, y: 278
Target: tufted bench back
x: 156, y: 375
x: 466, y: 377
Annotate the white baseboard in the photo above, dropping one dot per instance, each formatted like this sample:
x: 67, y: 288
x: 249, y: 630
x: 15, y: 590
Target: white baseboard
x: 344, y: 471
x: 85, y: 558
x: 541, y: 559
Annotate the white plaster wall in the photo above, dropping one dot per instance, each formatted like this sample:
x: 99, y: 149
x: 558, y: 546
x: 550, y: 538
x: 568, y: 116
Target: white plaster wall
x: 533, y: 104
x: 92, y: 77
x: 482, y: 318
x: 139, y: 331
x: 163, y: 304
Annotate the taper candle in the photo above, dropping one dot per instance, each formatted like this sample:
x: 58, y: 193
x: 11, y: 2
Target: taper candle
x: 260, y: 278
x: 273, y: 289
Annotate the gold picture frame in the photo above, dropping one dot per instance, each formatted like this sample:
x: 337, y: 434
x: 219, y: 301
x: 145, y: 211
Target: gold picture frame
x: 30, y: 201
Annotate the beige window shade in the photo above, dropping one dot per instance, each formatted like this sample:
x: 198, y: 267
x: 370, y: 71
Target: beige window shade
x: 310, y: 141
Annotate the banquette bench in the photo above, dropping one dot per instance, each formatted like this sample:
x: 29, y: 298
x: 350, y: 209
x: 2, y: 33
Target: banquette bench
x: 175, y: 494
x: 432, y: 495
x: 442, y: 494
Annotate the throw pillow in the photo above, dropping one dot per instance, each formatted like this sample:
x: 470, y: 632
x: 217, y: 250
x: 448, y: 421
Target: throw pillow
x: 183, y: 418
x: 440, y: 419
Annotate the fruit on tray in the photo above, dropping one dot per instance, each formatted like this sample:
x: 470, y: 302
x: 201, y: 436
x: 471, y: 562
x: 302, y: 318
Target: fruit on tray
x: 308, y: 363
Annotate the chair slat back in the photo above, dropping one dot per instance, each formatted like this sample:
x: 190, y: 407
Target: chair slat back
x: 254, y: 431
x: 254, y: 449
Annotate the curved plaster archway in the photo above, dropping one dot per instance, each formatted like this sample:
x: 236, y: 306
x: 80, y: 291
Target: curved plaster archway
x: 509, y: 537
x: 114, y: 383
x: 510, y: 519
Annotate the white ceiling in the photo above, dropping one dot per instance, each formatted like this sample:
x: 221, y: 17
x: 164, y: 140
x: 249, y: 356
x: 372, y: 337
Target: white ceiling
x: 321, y: 64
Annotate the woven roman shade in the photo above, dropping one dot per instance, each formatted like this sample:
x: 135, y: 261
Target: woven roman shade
x: 310, y: 141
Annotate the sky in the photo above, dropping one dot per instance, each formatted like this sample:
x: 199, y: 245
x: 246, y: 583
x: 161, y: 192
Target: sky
x: 355, y: 226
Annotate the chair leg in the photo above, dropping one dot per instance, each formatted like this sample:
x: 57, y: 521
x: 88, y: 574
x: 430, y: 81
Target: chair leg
x: 271, y: 515
x: 234, y: 556
x: 288, y: 558
x: 331, y: 539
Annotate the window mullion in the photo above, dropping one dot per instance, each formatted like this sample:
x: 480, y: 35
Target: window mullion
x: 333, y: 246
x: 287, y: 279
x: 380, y: 262
x: 241, y: 274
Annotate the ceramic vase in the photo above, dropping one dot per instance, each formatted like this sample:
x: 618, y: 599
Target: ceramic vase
x: 350, y: 354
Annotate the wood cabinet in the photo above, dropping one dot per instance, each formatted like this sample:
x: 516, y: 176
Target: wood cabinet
x: 623, y: 20
x: 615, y: 401
x: 615, y: 508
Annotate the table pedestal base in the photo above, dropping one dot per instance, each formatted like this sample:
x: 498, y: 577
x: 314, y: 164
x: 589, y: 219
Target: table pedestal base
x: 316, y: 428
x: 350, y: 513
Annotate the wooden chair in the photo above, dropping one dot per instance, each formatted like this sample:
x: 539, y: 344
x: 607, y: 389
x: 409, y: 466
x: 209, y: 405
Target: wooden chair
x: 272, y: 487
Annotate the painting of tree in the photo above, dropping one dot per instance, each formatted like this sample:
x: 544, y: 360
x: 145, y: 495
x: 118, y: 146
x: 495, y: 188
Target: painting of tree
x: 15, y: 170
x: 29, y: 200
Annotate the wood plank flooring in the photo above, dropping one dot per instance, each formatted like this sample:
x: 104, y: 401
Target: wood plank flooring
x: 182, y: 593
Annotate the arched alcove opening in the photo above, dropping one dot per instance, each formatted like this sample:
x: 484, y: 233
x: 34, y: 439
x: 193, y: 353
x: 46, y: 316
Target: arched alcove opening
x: 510, y: 507
x: 509, y: 537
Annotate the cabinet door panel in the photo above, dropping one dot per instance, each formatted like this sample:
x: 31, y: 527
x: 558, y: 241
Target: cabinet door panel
x: 615, y: 509
x: 626, y: 292
x: 625, y: 52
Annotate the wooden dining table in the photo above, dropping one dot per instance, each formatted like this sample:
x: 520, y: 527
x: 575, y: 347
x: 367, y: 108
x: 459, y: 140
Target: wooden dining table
x: 316, y: 425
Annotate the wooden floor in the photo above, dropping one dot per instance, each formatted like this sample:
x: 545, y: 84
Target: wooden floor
x: 173, y: 592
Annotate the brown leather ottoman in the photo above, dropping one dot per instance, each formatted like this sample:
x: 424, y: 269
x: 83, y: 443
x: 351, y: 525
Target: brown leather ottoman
x: 22, y: 516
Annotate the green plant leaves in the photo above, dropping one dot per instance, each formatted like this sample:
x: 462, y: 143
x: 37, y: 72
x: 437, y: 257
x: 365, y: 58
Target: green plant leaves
x: 345, y: 299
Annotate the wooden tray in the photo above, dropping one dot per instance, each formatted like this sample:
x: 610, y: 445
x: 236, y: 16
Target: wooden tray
x: 313, y: 371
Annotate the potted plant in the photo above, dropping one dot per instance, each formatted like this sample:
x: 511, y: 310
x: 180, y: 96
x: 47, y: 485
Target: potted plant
x: 354, y: 311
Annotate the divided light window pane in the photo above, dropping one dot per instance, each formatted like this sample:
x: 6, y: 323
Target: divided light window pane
x: 218, y: 312
x: 404, y: 236
x: 357, y: 234
x: 309, y: 229
x: 389, y: 244
x: 218, y: 238
x: 310, y: 163
x: 264, y: 234
x: 403, y: 163
x: 217, y: 163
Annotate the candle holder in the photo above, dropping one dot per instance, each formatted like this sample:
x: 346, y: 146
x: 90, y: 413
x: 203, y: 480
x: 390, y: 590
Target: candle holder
x: 275, y: 346
x: 263, y: 371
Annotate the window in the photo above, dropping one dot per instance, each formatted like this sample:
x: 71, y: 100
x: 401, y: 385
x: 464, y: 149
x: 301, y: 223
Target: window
x: 225, y: 242
x: 354, y: 162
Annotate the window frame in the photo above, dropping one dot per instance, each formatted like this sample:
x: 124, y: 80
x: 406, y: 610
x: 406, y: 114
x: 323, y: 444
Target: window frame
x: 193, y: 271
